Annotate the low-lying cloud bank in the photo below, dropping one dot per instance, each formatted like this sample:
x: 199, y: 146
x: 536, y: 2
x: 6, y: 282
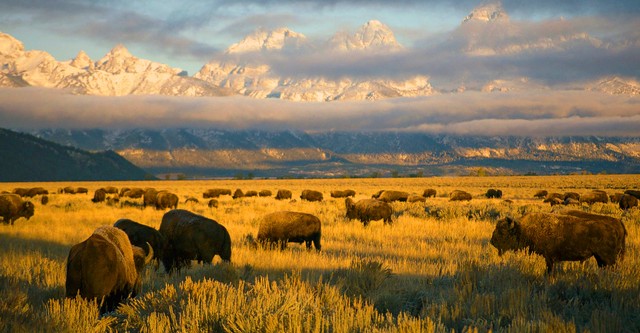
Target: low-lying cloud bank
x: 538, y: 113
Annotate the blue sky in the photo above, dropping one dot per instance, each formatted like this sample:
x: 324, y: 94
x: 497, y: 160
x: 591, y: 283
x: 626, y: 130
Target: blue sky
x: 186, y: 34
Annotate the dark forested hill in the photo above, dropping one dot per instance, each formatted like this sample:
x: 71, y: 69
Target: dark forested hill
x: 24, y: 157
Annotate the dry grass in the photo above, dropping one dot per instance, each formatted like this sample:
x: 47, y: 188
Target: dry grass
x: 432, y: 270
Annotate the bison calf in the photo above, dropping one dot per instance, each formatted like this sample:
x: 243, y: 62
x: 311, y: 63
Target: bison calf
x: 367, y: 210
x: 571, y: 236
x: 290, y: 227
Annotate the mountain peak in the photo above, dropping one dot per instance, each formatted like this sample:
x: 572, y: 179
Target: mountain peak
x: 10, y: 45
x: 119, y: 51
x: 488, y: 12
x: 262, y: 40
x: 371, y: 35
x: 82, y: 60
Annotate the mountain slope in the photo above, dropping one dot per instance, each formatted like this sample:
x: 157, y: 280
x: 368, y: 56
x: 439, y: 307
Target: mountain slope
x: 24, y: 157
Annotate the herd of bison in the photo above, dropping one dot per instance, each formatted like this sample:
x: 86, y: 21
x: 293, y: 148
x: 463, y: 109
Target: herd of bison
x: 107, y: 265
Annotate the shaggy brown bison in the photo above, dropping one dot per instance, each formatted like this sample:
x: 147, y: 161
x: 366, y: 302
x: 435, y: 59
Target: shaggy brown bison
x: 311, y: 195
x: 390, y: 196
x: 105, y: 267
x: 594, y: 196
x: 428, y: 193
x: 416, y: 198
x: 110, y: 189
x: 251, y: 194
x: 265, y: 193
x: 133, y: 193
x: 150, y: 197
x: 99, y: 196
x: 32, y: 192
x: 213, y: 203
x: 12, y: 207
x: 493, y: 193
x: 166, y: 199
x: 541, y: 194
x: 367, y: 210
x: 283, y: 195
x: 140, y: 235
x: 571, y: 195
x: 570, y: 236
x: 238, y: 194
x: 627, y: 202
x: 191, y: 200
x: 290, y: 227
x: 343, y: 194
x: 215, y: 192
x: 458, y: 195
x: 615, y: 198
x: 634, y: 193
x: 191, y: 236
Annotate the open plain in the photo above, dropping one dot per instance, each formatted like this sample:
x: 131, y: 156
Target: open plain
x: 431, y: 270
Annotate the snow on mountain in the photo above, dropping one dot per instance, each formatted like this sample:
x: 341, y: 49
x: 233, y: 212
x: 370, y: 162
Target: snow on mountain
x: 373, y: 35
x: 489, y: 12
x: 616, y: 86
x: 261, y: 40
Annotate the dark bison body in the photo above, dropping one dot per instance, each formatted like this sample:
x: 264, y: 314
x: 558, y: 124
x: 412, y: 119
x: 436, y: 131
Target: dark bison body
x: 110, y: 189
x: 251, y: 194
x: 213, y: 203
x: 634, y: 193
x: 133, y: 193
x: 105, y: 267
x: 32, y: 192
x: 12, y: 207
x: 290, y: 227
x: 367, y: 210
x: 238, y: 194
x: 283, y: 195
x: 458, y: 195
x: 265, y: 193
x: 541, y: 194
x: 20, y: 191
x: 215, y: 192
x: 493, y: 193
x: 429, y: 193
x: 627, y: 202
x: 140, y: 235
x: 416, y: 198
x: 571, y: 236
x: 166, y: 199
x: 390, y: 196
x: 571, y: 195
x: 150, y: 197
x: 191, y: 236
x: 343, y: 194
x: 99, y: 196
x: 311, y: 195
x: 594, y: 196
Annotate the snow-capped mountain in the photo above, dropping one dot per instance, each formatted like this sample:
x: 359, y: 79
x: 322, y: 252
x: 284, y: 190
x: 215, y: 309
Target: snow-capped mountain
x: 118, y: 73
x: 249, y: 78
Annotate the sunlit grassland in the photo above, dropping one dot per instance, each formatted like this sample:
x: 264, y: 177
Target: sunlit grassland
x: 432, y: 270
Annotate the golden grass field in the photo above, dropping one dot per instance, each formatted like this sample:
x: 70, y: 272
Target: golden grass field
x: 433, y: 270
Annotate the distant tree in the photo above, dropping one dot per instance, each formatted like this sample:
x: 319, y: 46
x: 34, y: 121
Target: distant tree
x: 181, y: 176
x: 239, y: 176
x: 395, y: 174
x: 167, y: 176
x: 250, y: 175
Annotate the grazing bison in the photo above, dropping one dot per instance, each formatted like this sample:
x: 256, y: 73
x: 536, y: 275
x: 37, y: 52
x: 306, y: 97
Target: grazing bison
x: 416, y: 198
x: 283, y: 195
x: 44, y: 200
x: 99, y: 196
x: 213, y: 203
x: 458, y: 195
x: 68, y: 190
x: 553, y: 201
x: 133, y: 193
x: 634, y: 193
x: 12, y: 208
x: 32, y: 192
x: 238, y: 194
x: 493, y: 193
x: 191, y: 236
x: 215, y: 192
x: 290, y: 227
x: 571, y: 236
x: 615, y: 198
x: 390, y: 196
x: 311, y: 195
x: 367, y: 210
x: 571, y: 195
x: 251, y: 194
x: 541, y: 194
x: 166, y: 199
x: 594, y: 196
x: 428, y: 193
x: 22, y: 192
x: 343, y: 194
x: 191, y: 200
x: 140, y: 235
x: 110, y: 189
x: 150, y: 197
x: 105, y: 267
x: 627, y: 202
x: 265, y: 193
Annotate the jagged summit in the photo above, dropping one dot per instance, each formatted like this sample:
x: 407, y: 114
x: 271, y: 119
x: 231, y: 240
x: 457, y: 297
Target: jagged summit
x: 10, y: 45
x: 487, y: 12
x: 262, y: 40
x: 373, y: 35
x: 82, y: 61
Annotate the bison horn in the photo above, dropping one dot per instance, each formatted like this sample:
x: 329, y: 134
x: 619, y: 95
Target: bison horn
x: 149, y: 256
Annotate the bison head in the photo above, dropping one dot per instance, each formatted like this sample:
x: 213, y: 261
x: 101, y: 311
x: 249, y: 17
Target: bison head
x: 27, y: 210
x: 351, y: 208
x: 506, y: 236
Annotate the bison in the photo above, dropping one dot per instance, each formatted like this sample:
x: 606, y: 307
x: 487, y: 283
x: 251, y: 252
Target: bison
x: 570, y: 236
x: 191, y: 236
x: 32, y: 192
x: 99, y: 196
x: 429, y: 193
x: 634, y: 193
x: 493, y: 193
x: 22, y: 192
x: 251, y: 194
x: 150, y: 197
x: 105, y: 267
x: 594, y: 196
x: 216, y: 192
x: 290, y: 227
x: 390, y: 196
x: 541, y: 194
x: 283, y: 195
x: 110, y: 189
x: 133, y: 193
x: 367, y: 210
x: 571, y: 195
x: 213, y: 203
x: 627, y: 202
x: 416, y: 198
x: 191, y: 200
x: 458, y: 195
x: 238, y: 194
x: 311, y: 195
x: 12, y: 207
x: 265, y: 193
x: 343, y: 194
x: 166, y: 199
x: 140, y: 235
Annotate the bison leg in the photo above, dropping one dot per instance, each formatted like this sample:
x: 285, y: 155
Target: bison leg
x: 388, y: 221
x: 549, y: 262
x: 604, y: 260
x: 316, y: 242
x: 308, y: 243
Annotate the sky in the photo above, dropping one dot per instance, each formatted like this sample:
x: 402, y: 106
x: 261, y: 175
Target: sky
x: 188, y: 34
